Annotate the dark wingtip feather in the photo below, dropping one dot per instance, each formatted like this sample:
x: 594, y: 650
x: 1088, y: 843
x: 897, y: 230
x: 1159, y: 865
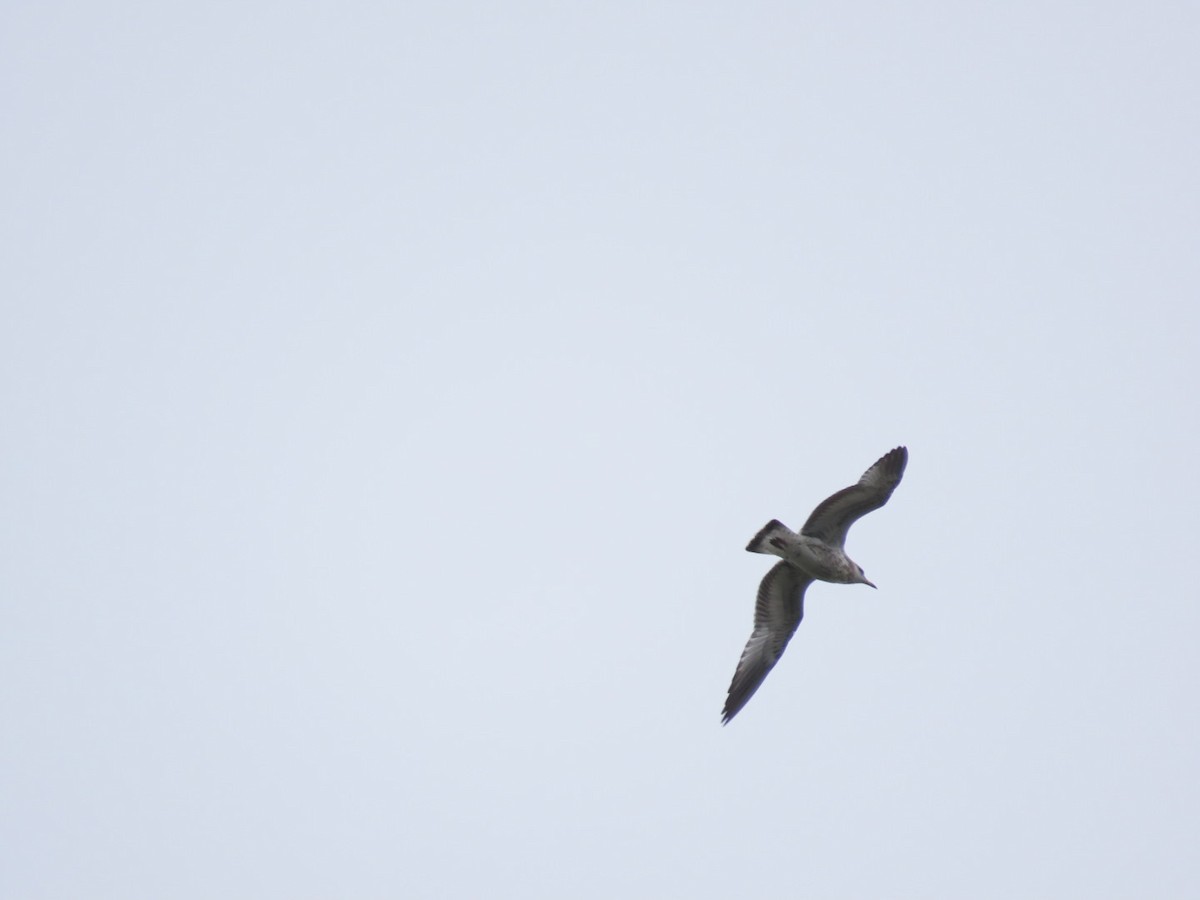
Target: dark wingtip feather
x: 733, y: 707
x: 740, y: 694
x: 891, y: 465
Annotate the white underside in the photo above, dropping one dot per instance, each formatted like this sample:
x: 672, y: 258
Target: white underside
x: 817, y: 559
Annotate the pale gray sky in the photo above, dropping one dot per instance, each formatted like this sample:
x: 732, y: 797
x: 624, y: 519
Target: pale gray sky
x: 389, y: 391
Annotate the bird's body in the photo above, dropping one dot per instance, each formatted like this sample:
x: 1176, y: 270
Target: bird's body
x: 815, y: 553
x: 812, y: 556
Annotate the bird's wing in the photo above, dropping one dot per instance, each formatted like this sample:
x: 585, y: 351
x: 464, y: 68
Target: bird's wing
x: 779, y: 610
x: 834, y: 515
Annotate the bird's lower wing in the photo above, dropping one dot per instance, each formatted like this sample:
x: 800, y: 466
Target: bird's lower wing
x: 777, y: 613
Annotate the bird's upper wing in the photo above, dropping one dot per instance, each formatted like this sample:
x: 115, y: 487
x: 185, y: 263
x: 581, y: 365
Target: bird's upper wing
x: 834, y: 515
x: 779, y: 610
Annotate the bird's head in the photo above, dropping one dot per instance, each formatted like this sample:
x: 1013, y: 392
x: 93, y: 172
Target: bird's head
x: 861, y: 579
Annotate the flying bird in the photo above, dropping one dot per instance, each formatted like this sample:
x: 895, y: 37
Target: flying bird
x: 816, y: 553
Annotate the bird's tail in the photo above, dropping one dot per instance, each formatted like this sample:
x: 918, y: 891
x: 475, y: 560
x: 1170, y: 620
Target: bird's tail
x: 771, y: 538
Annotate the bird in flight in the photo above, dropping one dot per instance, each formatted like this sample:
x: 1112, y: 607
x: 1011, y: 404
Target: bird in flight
x: 816, y: 553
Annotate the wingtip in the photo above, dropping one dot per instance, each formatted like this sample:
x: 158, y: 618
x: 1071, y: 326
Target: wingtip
x: 896, y: 459
x: 733, y: 705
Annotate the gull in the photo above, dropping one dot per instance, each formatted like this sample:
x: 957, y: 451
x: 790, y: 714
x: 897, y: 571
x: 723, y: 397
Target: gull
x: 816, y: 553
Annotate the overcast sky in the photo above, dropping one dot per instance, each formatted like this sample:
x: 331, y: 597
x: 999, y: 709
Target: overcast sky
x: 388, y: 392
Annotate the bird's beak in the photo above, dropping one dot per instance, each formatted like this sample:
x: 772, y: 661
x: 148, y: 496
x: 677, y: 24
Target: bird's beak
x: 871, y: 583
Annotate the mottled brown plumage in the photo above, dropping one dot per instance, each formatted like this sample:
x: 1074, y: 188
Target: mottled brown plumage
x: 816, y: 553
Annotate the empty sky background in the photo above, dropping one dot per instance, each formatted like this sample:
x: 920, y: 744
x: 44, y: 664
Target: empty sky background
x: 389, y: 391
